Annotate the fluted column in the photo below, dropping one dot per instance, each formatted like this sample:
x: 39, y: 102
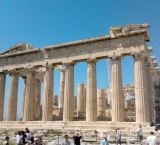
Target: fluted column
x: 37, y: 98
x: 101, y: 111
x: 75, y: 103
x: 2, y: 94
x: 29, y: 106
x: 84, y: 100
x: 47, y: 113
x: 117, y: 92
x: 149, y: 92
x: 23, y: 101
x: 62, y: 83
x: 13, y: 95
x: 68, y: 110
x: 141, y: 98
x: 80, y: 99
x: 91, y: 98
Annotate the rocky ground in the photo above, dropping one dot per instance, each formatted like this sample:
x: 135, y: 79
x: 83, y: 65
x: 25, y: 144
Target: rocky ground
x: 55, y: 137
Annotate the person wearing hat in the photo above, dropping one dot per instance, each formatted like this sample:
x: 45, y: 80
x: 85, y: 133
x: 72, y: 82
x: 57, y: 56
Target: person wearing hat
x: 6, y: 142
x: 104, y: 142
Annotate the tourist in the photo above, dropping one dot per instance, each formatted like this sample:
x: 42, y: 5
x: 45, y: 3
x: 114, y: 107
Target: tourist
x: 118, y: 135
x: 19, y: 138
x: 23, y: 141
x: 26, y: 129
x: 140, y: 133
x: 77, y: 138
x: 104, y: 142
x: 6, y: 142
x: 66, y: 142
x: 152, y: 140
x: 28, y: 136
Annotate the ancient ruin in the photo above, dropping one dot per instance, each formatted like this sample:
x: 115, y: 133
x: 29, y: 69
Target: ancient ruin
x: 37, y: 66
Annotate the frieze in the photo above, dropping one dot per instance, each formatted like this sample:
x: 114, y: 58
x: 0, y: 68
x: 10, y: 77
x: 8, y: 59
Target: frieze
x: 117, y: 45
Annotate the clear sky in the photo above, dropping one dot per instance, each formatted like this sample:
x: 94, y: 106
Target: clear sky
x: 47, y: 22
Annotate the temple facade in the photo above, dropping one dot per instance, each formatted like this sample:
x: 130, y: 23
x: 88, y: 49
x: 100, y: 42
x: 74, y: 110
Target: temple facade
x: 37, y: 66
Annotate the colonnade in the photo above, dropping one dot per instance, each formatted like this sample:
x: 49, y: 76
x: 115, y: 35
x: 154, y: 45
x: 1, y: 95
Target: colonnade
x: 93, y: 109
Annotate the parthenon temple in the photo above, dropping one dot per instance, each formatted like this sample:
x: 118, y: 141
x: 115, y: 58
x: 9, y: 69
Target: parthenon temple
x: 37, y: 66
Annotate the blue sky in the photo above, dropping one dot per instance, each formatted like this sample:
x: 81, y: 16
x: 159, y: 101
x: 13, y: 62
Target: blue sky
x: 48, y: 22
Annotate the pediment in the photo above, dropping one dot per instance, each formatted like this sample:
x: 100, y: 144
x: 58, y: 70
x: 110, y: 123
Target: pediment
x: 17, y: 48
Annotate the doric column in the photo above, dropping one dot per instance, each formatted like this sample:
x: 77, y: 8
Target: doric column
x: 47, y: 113
x: 118, y: 108
x: 37, y: 98
x: 91, y: 97
x: 23, y: 101
x: 149, y: 92
x: 29, y: 106
x: 80, y: 99
x: 13, y: 94
x: 75, y: 103
x: 141, y: 98
x: 68, y: 110
x: 2, y: 94
x: 84, y: 100
x: 62, y: 83
x: 101, y: 111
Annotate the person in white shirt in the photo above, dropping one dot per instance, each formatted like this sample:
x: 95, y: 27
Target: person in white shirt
x: 105, y: 142
x: 28, y: 136
x: 18, y: 138
x: 152, y: 140
x: 140, y: 133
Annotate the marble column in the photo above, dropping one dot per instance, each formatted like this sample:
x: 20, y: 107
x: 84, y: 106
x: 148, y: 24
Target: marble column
x: 75, y: 103
x: 13, y: 95
x: 62, y: 83
x: 23, y: 101
x: 84, y: 100
x: 37, y: 98
x: 47, y: 113
x: 118, y: 108
x: 91, y: 97
x: 2, y: 94
x: 101, y: 103
x: 68, y: 110
x: 29, y: 106
x: 141, y: 98
x: 80, y: 99
x: 149, y: 93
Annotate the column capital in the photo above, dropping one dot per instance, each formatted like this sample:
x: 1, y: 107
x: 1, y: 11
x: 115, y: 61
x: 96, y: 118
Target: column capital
x: 63, y: 70
x: 13, y: 71
x: 2, y: 73
x: 139, y: 54
x: 90, y: 60
x: 70, y: 63
x: 116, y: 57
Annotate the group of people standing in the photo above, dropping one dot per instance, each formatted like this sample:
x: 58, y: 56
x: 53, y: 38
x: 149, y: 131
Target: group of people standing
x: 77, y: 137
x: 25, y: 138
x: 151, y: 139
